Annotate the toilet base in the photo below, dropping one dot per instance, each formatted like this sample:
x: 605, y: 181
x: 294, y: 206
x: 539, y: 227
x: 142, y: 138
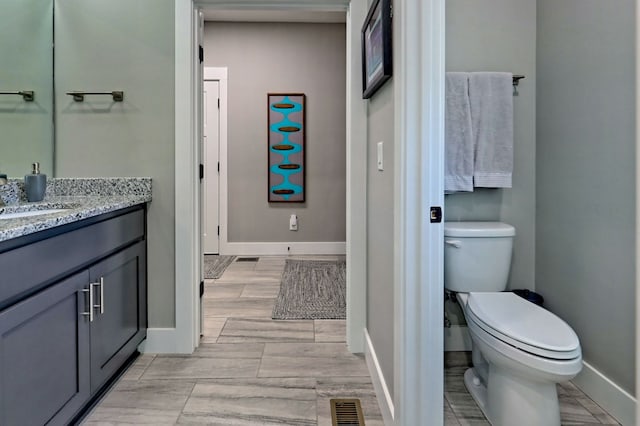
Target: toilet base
x: 510, y: 401
x: 477, y: 390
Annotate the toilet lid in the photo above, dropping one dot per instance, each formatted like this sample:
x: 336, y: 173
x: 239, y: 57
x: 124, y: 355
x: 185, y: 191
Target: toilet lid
x: 522, y: 324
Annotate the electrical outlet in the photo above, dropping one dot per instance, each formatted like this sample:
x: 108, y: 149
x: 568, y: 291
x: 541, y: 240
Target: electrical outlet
x: 293, y: 223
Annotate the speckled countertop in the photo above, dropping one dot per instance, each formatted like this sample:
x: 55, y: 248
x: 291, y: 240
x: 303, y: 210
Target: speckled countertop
x: 80, y: 199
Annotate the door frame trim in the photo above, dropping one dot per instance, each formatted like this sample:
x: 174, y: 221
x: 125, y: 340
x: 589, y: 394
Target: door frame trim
x: 220, y: 74
x: 185, y: 339
x: 637, y: 221
x: 419, y: 75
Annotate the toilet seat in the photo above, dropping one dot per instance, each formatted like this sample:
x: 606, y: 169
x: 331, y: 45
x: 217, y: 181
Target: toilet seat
x: 522, y: 324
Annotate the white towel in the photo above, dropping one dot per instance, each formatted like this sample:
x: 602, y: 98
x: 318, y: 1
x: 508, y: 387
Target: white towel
x: 491, y: 98
x: 458, y: 164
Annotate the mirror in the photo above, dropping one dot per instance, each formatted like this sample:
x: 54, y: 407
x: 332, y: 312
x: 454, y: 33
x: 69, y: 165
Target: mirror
x: 26, y: 54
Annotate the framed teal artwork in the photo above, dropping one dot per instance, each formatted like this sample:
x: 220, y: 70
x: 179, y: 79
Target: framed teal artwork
x: 286, y: 154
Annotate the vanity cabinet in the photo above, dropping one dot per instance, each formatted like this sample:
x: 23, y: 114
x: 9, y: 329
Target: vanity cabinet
x: 63, y: 335
x: 44, y: 362
x: 119, y: 290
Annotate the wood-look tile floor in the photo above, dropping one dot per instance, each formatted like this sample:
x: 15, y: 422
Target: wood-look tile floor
x: 249, y: 369
x: 460, y: 409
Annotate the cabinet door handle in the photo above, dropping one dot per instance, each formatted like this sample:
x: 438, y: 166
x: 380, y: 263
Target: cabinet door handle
x: 102, y: 295
x: 90, y: 313
x: 101, y: 285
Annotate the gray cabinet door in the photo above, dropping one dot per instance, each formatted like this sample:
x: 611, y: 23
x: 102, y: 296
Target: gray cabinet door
x: 44, y: 355
x: 119, y: 286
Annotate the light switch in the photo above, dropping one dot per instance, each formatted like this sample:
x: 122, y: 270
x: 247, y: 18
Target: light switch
x: 380, y: 156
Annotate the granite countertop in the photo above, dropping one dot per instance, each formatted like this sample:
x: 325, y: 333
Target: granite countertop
x: 80, y: 199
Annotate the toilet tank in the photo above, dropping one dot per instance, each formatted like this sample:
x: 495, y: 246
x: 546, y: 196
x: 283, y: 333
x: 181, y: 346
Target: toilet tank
x: 477, y: 256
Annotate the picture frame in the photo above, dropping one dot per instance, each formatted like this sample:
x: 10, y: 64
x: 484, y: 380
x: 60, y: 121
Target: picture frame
x: 286, y: 130
x: 377, y: 59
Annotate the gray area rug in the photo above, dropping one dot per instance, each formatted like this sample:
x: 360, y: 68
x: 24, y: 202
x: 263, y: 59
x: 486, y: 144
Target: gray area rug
x: 312, y: 289
x: 215, y: 265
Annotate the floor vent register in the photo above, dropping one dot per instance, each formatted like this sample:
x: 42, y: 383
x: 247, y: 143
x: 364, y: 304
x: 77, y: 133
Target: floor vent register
x: 346, y: 412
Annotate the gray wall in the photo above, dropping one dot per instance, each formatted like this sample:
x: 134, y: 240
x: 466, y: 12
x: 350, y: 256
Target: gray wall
x: 586, y: 176
x: 100, y: 48
x: 500, y: 35
x: 380, y: 225
x: 283, y: 57
x: 380, y: 190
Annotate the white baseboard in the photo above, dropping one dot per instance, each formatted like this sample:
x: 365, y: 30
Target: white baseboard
x: 379, y: 384
x: 615, y: 400
x: 457, y: 338
x: 160, y: 341
x: 284, y: 248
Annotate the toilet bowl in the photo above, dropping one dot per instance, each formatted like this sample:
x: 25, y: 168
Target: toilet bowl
x: 520, y: 350
x: 514, y: 378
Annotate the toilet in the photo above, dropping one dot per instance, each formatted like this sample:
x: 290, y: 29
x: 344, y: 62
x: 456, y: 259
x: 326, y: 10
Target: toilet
x: 519, y: 349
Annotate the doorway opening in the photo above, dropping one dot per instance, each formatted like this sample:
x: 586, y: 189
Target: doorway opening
x: 419, y: 131
x: 244, y: 60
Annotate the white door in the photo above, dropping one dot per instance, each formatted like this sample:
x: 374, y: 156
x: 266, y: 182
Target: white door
x: 210, y: 156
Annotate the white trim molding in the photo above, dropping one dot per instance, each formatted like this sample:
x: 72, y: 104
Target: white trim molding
x: 385, y: 402
x: 637, y: 222
x: 215, y: 73
x: 419, y: 64
x: 187, y: 86
x: 312, y: 5
x: 220, y: 74
x: 187, y: 226
x: 356, y: 246
x: 615, y: 400
x: 285, y: 248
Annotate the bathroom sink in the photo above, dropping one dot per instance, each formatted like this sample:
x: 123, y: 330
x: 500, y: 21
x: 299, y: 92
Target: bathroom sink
x: 29, y: 213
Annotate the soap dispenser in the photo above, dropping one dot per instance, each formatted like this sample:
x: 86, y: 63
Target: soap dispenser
x: 35, y: 184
